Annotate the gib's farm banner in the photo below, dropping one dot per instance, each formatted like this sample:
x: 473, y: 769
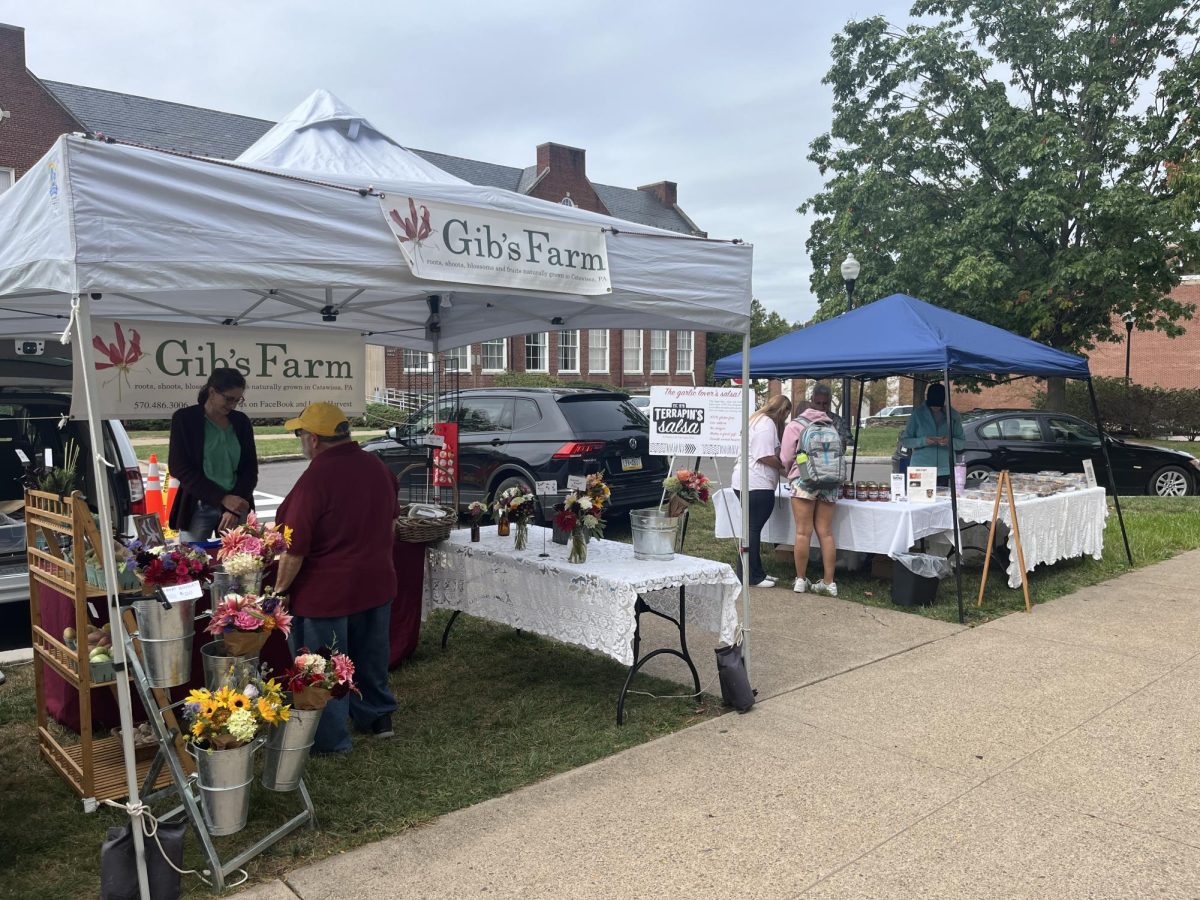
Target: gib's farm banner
x: 147, y: 370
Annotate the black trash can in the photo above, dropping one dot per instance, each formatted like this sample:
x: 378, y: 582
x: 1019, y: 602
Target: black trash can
x: 911, y: 589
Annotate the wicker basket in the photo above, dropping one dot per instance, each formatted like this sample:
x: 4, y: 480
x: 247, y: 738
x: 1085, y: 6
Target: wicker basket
x: 425, y: 529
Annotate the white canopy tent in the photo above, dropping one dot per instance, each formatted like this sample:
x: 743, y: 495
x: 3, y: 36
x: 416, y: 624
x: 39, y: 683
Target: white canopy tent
x: 102, y: 228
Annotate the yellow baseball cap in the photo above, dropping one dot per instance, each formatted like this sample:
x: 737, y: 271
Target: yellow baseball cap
x: 322, y: 419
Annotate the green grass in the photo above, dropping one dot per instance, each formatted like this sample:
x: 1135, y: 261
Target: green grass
x: 266, y: 450
x: 498, y: 710
x: 879, y: 440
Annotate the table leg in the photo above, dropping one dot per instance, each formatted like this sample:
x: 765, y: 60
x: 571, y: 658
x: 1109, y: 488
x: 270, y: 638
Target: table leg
x: 640, y: 606
x: 446, y: 634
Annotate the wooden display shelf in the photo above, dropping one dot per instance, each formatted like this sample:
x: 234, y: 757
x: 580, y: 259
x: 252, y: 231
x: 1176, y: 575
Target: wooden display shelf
x: 63, y: 659
x: 108, y: 766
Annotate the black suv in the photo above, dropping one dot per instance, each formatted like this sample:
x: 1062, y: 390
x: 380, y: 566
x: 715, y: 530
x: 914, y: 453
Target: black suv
x: 519, y: 436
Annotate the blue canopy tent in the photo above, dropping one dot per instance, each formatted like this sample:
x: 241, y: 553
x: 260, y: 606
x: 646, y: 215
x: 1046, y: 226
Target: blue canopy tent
x: 901, y: 335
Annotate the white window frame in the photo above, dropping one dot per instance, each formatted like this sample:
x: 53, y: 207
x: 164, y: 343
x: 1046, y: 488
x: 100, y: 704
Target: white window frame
x: 426, y: 366
x: 664, y: 337
x: 12, y: 178
x: 462, y: 355
x: 685, y: 343
x: 572, y: 338
x: 627, y: 342
x: 540, y: 339
x: 483, y: 356
x: 598, y: 338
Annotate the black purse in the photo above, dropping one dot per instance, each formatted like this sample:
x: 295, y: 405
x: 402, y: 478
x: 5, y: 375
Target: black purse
x: 735, y: 681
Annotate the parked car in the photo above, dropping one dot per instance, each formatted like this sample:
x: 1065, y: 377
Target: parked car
x: 1028, y: 440
x: 520, y: 436
x: 641, y: 401
x: 890, y: 415
x: 35, y: 399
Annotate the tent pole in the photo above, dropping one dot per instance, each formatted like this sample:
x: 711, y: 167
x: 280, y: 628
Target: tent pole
x: 85, y: 363
x: 953, y: 494
x: 744, y: 487
x: 1108, y: 465
x: 857, y: 428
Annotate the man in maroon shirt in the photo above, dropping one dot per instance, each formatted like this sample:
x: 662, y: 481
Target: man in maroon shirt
x: 338, y: 570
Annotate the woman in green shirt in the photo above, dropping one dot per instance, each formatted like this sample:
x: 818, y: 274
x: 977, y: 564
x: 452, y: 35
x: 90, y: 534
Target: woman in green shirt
x: 213, y: 455
x: 926, y: 435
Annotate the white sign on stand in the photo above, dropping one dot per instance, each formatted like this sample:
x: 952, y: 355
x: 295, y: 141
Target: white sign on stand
x: 695, y: 421
x: 543, y: 488
x: 178, y: 593
x: 922, y: 484
x: 576, y: 482
x: 1089, y: 472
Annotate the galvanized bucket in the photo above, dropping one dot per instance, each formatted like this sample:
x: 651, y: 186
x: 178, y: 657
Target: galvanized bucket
x: 221, y: 670
x: 287, y: 750
x: 165, y: 634
x: 223, y: 583
x: 224, y: 778
x: 653, y: 534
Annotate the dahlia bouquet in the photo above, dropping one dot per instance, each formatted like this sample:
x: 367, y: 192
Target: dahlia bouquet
x: 230, y: 717
x: 581, y: 517
x: 167, y: 564
x: 517, y: 506
x: 251, y: 547
x: 245, y: 621
x: 317, y: 676
x: 684, y: 488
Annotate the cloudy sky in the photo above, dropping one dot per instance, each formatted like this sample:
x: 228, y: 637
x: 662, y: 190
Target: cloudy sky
x: 722, y: 98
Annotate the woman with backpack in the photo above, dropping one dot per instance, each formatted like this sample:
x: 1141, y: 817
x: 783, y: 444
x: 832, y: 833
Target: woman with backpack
x: 765, y: 468
x: 812, y: 501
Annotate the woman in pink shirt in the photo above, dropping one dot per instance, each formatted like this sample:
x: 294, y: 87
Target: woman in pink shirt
x: 812, y: 507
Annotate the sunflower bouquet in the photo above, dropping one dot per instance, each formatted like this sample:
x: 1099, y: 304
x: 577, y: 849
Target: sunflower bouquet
x: 231, y: 717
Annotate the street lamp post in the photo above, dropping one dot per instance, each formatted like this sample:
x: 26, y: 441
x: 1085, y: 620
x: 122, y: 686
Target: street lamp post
x: 850, y: 269
x: 1128, y: 345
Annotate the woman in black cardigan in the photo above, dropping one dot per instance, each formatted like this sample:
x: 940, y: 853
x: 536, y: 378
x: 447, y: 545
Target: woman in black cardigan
x: 213, y: 456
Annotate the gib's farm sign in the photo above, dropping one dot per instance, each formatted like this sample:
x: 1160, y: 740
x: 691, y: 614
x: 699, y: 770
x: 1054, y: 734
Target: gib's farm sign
x: 147, y: 370
x: 447, y: 242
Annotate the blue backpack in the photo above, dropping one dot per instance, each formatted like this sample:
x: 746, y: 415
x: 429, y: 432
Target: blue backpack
x: 821, y: 460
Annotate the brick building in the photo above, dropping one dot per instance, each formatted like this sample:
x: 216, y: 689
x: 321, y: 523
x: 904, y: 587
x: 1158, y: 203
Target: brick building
x: 34, y: 112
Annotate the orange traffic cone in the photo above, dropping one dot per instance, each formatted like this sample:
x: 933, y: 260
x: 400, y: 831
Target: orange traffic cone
x: 154, y: 498
x: 172, y: 490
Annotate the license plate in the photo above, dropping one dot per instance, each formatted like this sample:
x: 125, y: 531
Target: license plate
x: 631, y: 463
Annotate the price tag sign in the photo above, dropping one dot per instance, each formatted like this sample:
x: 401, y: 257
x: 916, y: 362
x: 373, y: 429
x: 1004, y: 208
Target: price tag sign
x: 22, y: 457
x: 576, y: 482
x: 177, y: 593
x: 49, y: 457
x: 433, y: 440
x: 546, y: 487
x: 1089, y: 472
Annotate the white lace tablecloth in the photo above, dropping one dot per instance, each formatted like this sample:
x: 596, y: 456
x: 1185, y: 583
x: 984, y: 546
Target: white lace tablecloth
x: 590, y: 604
x: 1061, y: 526
x: 860, y: 525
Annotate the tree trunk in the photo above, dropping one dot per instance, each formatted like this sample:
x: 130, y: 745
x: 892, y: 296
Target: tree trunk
x: 1056, y: 394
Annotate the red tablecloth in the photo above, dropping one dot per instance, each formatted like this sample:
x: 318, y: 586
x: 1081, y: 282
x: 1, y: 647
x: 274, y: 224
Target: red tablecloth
x: 405, y: 629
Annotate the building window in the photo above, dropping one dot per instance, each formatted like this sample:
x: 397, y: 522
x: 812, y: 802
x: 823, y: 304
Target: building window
x: 536, y: 357
x: 7, y: 178
x: 457, y: 360
x: 568, y: 351
x: 685, y: 351
x: 494, y: 355
x: 416, y: 361
x: 632, y: 341
x: 659, y: 352
x: 598, y: 351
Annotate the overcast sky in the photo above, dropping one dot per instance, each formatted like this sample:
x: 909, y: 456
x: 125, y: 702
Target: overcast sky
x: 721, y: 98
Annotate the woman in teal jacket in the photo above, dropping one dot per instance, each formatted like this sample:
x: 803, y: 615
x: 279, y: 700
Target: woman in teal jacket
x: 925, y: 436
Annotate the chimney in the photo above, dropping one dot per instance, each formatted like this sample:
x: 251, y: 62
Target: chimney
x: 665, y: 191
x: 12, y: 48
x: 562, y: 160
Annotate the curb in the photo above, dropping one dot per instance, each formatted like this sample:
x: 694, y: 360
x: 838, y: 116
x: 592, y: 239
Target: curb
x: 16, y: 657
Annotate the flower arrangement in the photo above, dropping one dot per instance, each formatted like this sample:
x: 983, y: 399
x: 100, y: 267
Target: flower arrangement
x: 476, y: 511
x: 167, y: 564
x: 597, y: 490
x: 245, y: 621
x: 581, y: 514
x: 228, y: 718
x: 251, y: 547
x: 517, y: 506
x: 690, y: 487
x: 315, y: 677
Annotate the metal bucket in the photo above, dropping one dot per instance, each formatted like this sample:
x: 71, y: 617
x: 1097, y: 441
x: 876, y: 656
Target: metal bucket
x: 653, y: 534
x: 165, y: 634
x: 224, y: 778
x: 221, y: 670
x: 223, y: 583
x: 288, y: 748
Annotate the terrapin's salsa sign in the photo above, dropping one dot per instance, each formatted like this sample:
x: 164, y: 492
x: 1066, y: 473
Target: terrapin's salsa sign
x: 450, y: 242
x: 147, y: 370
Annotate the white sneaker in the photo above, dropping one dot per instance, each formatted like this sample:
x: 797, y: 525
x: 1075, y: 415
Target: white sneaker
x: 801, y: 585
x: 828, y: 590
x: 767, y: 582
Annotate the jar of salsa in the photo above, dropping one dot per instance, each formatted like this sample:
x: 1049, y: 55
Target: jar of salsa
x: 848, y: 490
x: 862, y: 491
x: 876, y: 494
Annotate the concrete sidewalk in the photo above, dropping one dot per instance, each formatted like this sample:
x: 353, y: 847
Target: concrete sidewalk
x: 1055, y: 754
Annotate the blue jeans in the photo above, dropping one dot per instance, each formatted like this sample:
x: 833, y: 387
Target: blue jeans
x: 204, y: 522
x: 364, y: 638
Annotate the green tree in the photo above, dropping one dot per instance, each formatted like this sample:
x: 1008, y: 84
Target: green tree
x: 764, y: 326
x: 1031, y: 163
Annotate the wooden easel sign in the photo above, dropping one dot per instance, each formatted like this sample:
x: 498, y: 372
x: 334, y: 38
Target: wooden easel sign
x: 1004, y: 484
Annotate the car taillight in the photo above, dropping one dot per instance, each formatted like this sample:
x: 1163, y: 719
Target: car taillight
x: 574, y: 449
x: 137, y: 492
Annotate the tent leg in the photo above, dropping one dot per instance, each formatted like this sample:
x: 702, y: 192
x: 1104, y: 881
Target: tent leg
x: 954, y: 495
x: 744, y: 487
x: 1108, y: 465
x: 857, y: 428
